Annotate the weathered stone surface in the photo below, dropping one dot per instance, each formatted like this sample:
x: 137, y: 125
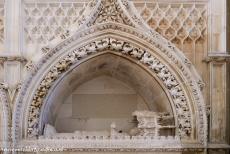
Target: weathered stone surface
x: 162, y: 56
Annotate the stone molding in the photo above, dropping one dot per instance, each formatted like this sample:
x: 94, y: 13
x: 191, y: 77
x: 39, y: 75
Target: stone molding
x: 12, y: 58
x: 217, y: 57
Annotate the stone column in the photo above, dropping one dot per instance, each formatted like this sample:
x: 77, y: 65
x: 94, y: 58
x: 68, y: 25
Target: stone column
x: 11, y: 57
x: 217, y: 59
x: 12, y: 53
x: 228, y: 74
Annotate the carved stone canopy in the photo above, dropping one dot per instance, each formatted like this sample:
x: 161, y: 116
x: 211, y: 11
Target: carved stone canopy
x: 113, y: 26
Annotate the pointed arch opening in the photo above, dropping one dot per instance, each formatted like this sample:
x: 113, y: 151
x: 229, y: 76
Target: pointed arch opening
x: 103, y: 90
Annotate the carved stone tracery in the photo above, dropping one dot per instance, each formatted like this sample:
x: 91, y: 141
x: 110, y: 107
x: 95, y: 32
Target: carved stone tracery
x: 179, y: 23
x: 176, y: 22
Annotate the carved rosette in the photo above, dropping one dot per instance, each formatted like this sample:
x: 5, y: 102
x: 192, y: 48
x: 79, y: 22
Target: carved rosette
x: 125, y: 48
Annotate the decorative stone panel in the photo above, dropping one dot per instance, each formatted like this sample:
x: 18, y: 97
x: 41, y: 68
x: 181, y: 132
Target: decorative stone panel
x: 178, y: 22
x: 46, y: 20
x: 181, y: 23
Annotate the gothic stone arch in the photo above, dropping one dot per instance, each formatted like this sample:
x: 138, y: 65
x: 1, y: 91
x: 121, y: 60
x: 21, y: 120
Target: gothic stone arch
x: 114, y: 25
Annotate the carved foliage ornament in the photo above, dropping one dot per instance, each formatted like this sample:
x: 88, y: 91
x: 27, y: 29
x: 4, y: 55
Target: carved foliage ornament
x: 111, y: 11
x: 161, y: 70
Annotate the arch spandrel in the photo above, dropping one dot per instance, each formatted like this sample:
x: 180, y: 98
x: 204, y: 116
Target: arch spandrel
x: 126, y: 37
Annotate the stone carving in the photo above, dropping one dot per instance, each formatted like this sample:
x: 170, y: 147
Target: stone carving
x: 149, y: 123
x: 44, y: 21
x: 30, y: 65
x: 96, y: 144
x: 182, y: 108
x: 176, y: 22
x: 184, y: 23
x: 3, y: 86
x: 50, y: 132
x: 141, y: 33
x: 109, y: 12
x: 111, y: 138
